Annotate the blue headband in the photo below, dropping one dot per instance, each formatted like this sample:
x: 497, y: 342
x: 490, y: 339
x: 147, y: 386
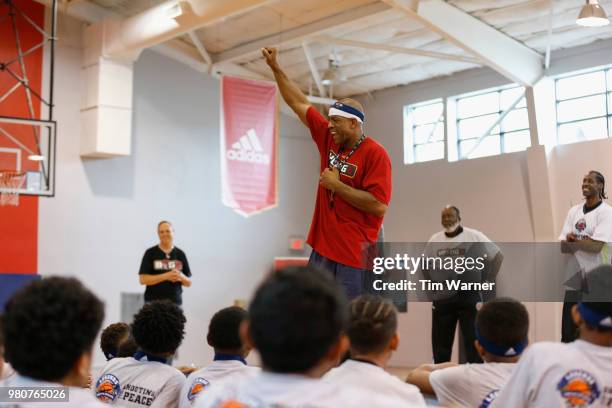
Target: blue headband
x: 229, y: 357
x: 595, y: 318
x: 139, y: 355
x: 349, y: 109
x: 496, y: 350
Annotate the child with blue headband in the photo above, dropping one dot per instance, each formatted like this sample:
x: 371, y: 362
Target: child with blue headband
x: 577, y: 374
x: 502, y: 326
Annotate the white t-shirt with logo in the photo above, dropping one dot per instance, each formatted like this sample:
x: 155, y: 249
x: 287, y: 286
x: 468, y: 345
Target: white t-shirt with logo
x: 77, y: 397
x: 469, y: 385
x: 127, y: 382
x: 217, y: 371
x: 439, y: 243
x: 551, y: 375
x: 470, y: 243
x: 374, y: 380
x: 267, y: 390
x: 596, y: 225
x: 467, y: 235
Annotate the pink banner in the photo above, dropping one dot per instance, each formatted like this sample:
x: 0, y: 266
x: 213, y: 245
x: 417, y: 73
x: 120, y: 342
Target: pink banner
x: 249, y: 117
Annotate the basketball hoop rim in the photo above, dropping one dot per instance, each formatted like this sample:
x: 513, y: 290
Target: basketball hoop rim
x: 12, y: 172
x: 10, y: 183
x: 9, y: 174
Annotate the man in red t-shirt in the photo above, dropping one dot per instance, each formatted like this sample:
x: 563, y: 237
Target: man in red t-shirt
x: 354, y: 186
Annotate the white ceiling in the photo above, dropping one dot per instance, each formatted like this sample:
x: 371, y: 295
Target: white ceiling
x: 290, y: 22
x: 125, y: 8
x: 527, y: 21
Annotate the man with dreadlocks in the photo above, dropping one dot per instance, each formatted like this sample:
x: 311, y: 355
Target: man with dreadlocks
x: 586, y: 233
x: 372, y: 331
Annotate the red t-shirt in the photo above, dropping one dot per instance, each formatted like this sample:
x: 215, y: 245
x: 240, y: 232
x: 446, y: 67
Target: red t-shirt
x: 341, y: 232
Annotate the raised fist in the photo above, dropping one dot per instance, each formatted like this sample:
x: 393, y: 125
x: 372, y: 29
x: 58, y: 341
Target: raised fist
x: 270, y: 55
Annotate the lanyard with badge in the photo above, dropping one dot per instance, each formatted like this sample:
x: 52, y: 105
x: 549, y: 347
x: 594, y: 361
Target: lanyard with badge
x: 341, y: 162
x: 343, y: 110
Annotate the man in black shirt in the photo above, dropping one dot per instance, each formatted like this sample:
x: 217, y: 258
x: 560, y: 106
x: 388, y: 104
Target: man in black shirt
x: 164, y: 268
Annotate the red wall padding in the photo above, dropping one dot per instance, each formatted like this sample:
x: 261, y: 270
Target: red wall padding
x: 19, y: 225
x: 19, y: 237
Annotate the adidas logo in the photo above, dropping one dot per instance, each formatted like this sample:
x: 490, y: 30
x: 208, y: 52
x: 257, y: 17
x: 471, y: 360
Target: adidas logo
x: 248, y: 149
x: 511, y: 352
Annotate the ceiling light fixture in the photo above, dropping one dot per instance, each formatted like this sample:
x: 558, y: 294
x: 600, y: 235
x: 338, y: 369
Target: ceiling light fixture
x: 333, y: 75
x: 592, y: 15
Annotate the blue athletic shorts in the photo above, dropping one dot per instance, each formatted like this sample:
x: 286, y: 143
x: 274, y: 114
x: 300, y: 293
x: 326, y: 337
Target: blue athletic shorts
x: 351, y: 279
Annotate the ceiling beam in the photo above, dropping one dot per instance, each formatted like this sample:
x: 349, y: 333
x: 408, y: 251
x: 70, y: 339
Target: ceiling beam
x: 502, y: 53
x: 313, y: 69
x: 320, y: 100
x: 229, y: 68
x: 357, y: 17
x: 83, y: 10
x: 175, y: 49
x: 395, y: 49
x: 551, y: 16
x: 201, y: 49
x: 168, y: 20
x: 182, y: 52
x: 188, y: 55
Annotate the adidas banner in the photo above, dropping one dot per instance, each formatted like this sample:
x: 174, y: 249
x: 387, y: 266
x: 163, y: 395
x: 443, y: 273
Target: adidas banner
x: 249, y: 117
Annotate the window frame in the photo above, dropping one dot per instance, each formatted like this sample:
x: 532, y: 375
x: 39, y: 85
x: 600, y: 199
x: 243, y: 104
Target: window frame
x: 410, y: 131
x: 502, y: 133
x: 607, y: 94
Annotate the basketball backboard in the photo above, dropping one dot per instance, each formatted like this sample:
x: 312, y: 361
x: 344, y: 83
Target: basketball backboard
x: 28, y: 146
x: 27, y: 143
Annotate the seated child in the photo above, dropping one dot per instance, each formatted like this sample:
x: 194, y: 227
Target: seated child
x: 577, y: 374
x: 296, y: 319
x: 230, y: 353
x: 49, y: 329
x: 502, y: 326
x: 372, y: 331
x: 146, y: 379
x: 116, y: 341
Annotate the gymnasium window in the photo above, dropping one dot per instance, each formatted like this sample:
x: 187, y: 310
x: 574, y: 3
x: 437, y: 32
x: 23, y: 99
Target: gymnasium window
x: 584, y: 106
x: 424, y: 132
x: 477, y: 113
